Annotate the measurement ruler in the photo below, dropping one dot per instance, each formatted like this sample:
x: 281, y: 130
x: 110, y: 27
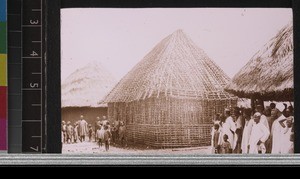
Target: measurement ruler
x: 26, y: 76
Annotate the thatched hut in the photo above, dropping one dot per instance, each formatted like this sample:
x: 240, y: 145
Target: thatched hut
x: 82, y: 90
x: 268, y: 76
x: 170, y: 97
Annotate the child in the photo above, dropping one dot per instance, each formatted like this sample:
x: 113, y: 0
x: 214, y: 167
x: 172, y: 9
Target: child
x: 226, y: 146
x: 91, y: 131
x: 70, y: 131
x: 107, y: 136
x: 215, y: 141
x: 75, y: 133
x: 100, y: 135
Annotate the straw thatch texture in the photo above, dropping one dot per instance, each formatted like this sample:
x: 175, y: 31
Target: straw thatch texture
x: 269, y: 73
x: 169, y: 98
x: 82, y: 90
x: 175, y: 67
x: 87, y: 86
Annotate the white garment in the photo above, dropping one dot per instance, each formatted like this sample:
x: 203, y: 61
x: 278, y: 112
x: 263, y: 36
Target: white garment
x: 100, y: 133
x: 259, y: 133
x: 286, y: 142
x: 229, y: 129
x: 246, y: 135
x: 212, y: 133
x: 264, y: 121
x: 221, y: 129
x: 276, y: 133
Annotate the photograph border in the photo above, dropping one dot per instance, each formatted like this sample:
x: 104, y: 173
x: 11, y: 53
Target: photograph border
x: 53, y: 111
x: 147, y: 160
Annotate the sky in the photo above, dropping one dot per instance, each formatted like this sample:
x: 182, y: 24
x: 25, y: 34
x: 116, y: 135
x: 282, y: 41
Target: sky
x: 120, y: 38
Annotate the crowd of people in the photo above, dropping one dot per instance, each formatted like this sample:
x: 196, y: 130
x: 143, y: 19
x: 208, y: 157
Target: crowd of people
x: 238, y: 130
x: 256, y: 131
x: 103, y: 132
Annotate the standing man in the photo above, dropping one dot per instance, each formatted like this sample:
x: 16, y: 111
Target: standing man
x: 287, y: 139
x: 75, y: 133
x: 83, y: 129
x: 70, y: 132
x: 277, y: 130
x: 122, y: 134
x: 229, y: 128
x: 64, y: 131
x: 247, y: 130
x: 263, y: 118
x: 238, y: 120
x: 259, y: 134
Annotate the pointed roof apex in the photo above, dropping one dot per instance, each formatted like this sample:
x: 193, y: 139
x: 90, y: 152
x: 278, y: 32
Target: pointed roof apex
x: 178, y: 31
x: 175, y: 67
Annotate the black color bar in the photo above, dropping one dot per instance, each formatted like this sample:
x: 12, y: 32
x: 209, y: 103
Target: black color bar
x: 14, y: 18
x: 53, y: 100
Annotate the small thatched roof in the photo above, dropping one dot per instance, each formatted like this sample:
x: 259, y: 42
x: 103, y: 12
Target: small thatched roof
x: 175, y: 67
x: 87, y: 86
x: 269, y: 73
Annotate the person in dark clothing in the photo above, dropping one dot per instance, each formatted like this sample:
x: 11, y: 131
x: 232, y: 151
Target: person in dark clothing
x: 122, y: 132
x: 107, y: 137
x: 97, y: 127
x: 226, y: 146
x: 216, y: 139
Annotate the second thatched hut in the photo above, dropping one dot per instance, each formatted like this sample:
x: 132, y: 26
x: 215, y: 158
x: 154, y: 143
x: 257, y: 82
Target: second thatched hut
x: 82, y: 90
x: 269, y: 75
x: 170, y: 97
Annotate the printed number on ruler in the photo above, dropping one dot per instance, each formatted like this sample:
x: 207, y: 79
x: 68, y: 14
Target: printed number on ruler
x: 34, y: 22
x: 32, y: 76
x: 34, y: 54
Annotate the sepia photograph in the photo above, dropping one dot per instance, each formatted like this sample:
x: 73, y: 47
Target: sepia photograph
x: 160, y: 81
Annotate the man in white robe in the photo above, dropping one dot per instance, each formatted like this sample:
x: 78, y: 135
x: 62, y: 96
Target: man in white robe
x: 277, y: 131
x: 259, y: 134
x: 83, y: 128
x: 247, y: 130
x: 263, y: 118
x: 229, y: 128
x: 287, y: 143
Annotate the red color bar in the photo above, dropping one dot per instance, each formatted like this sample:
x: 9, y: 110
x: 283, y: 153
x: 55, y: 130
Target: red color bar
x: 3, y: 118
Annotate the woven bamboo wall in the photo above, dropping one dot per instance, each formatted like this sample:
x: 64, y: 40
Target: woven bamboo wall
x: 168, y: 122
x: 169, y: 135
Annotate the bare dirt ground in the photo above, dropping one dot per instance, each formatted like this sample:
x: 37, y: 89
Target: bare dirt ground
x: 92, y: 148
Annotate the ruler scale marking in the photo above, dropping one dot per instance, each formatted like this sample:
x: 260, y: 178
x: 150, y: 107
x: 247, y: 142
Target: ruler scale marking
x: 32, y: 87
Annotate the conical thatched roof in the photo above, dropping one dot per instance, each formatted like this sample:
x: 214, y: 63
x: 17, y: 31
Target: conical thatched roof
x: 86, y: 86
x: 269, y: 73
x: 175, y: 67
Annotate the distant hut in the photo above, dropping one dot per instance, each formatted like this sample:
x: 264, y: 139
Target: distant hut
x: 82, y: 90
x: 170, y: 97
x: 269, y: 75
